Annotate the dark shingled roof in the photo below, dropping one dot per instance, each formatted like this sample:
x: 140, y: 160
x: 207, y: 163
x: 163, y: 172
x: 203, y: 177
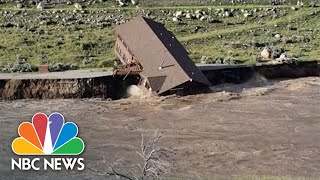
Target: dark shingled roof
x: 160, y: 54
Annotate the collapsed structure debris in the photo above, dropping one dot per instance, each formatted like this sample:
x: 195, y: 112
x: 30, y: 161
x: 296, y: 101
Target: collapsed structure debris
x: 146, y: 48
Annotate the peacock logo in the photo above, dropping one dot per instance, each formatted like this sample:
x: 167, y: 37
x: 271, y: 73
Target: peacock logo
x: 48, y: 136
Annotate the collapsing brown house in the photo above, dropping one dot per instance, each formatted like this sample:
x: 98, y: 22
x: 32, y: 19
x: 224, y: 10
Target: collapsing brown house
x: 147, y: 48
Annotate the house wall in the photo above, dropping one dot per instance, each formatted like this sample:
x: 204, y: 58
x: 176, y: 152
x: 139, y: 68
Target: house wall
x: 122, y: 52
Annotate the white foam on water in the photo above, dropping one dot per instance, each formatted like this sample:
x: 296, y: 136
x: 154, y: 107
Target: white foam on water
x: 134, y: 90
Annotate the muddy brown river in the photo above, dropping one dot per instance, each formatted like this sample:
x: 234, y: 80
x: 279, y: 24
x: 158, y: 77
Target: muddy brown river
x: 265, y: 128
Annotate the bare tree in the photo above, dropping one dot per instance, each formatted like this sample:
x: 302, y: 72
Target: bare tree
x: 152, y: 165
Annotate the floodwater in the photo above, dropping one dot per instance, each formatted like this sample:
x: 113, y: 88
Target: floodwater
x: 257, y: 128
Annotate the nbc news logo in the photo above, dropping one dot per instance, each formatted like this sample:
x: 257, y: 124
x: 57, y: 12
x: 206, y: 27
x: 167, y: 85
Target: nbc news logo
x: 48, y: 136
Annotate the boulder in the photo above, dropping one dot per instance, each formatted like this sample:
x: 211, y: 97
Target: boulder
x: 133, y: 2
x: 198, y: 12
x: 19, y: 6
x: 247, y: 15
x: 77, y: 6
x: 178, y: 14
x: 176, y: 20
x: 294, y: 8
x: 189, y: 16
x: 41, y: 6
x: 203, y: 18
x: 265, y: 54
x: 121, y: 3
x: 278, y: 36
x: 282, y: 56
x: 285, y: 59
x: 227, y: 14
x: 198, y: 16
x: 299, y: 3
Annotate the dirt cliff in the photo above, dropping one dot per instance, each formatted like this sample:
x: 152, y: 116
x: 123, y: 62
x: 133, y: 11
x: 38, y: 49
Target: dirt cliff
x: 102, y: 87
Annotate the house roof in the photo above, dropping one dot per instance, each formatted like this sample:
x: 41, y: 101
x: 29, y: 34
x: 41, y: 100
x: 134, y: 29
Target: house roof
x: 160, y: 54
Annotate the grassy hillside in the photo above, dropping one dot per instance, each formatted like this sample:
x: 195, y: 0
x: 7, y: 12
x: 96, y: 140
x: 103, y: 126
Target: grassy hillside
x: 86, y: 37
